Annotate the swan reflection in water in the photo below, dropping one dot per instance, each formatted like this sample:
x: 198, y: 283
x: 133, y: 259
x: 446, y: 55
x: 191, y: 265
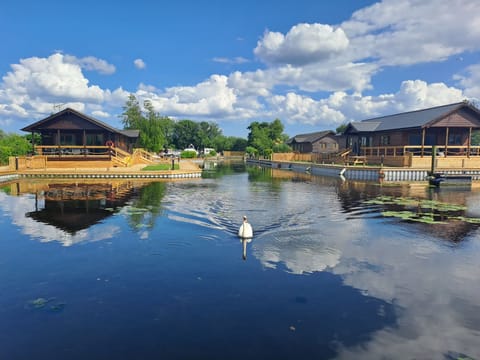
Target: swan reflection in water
x: 245, y: 232
x: 244, y: 245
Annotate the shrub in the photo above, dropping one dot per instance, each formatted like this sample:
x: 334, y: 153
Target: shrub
x: 187, y: 154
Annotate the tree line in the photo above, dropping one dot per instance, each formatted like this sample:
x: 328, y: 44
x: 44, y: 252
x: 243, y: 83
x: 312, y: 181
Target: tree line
x: 158, y: 132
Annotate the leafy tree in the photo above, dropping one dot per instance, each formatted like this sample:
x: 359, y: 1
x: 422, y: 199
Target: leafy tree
x: 207, y: 133
x: 276, y: 131
x: 475, y: 138
x: 238, y: 144
x: 13, y: 145
x: 155, y: 131
x: 186, y: 133
x: 250, y: 150
x: 37, y: 138
x: 281, y: 148
x: 132, y: 113
x: 341, y: 128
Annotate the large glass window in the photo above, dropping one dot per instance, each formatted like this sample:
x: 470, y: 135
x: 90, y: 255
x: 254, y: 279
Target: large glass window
x: 454, y: 139
x: 94, y: 140
x: 385, y: 140
x: 67, y: 139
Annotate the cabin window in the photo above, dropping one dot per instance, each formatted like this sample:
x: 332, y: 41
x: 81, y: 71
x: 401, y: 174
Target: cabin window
x: 454, y: 139
x: 385, y: 140
x: 67, y: 139
x: 94, y: 139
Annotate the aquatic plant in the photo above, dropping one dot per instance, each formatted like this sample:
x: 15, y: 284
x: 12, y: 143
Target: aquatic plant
x: 438, y: 211
x: 49, y: 304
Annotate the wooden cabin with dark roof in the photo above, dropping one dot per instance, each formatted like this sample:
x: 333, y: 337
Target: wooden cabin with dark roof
x: 320, y: 142
x: 70, y: 132
x: 407, y: 139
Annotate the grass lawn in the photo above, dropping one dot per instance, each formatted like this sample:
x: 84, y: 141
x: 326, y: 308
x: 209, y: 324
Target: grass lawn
x: 160, y: 167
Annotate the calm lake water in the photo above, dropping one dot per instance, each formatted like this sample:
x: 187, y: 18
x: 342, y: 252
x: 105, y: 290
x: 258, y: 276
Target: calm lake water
x: 336, y: 269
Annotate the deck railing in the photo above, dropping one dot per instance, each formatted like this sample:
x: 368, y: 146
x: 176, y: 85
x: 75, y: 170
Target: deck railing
x: 52, y: 151
x: 420, y: 151
x: 73, y: 152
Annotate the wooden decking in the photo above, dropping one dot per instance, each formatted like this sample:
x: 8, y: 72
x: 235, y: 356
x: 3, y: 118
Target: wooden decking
x: 117, y: 164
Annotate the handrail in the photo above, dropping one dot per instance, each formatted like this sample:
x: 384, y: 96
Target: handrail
x: 420, y: 151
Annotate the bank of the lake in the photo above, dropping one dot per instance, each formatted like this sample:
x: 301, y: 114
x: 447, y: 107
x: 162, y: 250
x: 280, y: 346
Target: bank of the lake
x: 362, y: 172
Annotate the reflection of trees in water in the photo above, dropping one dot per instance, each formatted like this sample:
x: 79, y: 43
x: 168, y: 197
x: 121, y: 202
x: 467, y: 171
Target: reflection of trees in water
x: 224, y: 168
x: 146, y: 207
x: 442, y: 213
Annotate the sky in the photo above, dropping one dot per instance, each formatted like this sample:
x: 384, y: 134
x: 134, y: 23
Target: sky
x: 312, y: 64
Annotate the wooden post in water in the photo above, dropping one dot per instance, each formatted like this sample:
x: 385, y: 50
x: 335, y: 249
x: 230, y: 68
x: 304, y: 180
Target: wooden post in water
x: 434, y: 159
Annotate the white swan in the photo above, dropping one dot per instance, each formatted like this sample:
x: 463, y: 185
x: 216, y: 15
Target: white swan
x: 245, y: 231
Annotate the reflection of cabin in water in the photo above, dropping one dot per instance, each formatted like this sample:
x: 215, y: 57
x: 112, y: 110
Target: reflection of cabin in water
x: 73, y: 207
x: 69, y: 134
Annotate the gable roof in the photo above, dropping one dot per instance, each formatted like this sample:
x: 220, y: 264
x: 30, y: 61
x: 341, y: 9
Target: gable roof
x: 310, y: 137
x: 35, y: 125
x: 410, y: 119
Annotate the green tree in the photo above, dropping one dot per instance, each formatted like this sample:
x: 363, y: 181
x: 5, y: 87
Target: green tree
x: 276, y: 131
x: 238, y: 144
x: 155, y: 131
x: 266, y: 137
x: 475, y: 138
x: 281, y: 148
x: 13, y: 145
x: 207, y: 133
x: 341, y: 128
x: 186, y: 133
x: 132, y: 113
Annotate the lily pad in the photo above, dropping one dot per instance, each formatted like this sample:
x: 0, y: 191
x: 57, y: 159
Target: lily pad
x: 57, y: 307
x: 45, y: 304
x: 38, y: 303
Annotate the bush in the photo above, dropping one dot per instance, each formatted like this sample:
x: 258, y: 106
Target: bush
x: 187, y: 154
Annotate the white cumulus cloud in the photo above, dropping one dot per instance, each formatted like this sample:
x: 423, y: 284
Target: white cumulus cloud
x: 303, y: 44
x: 139, y: 64
x: 91, y: 63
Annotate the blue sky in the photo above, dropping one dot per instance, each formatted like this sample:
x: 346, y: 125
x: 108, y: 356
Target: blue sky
x: 312, y: 64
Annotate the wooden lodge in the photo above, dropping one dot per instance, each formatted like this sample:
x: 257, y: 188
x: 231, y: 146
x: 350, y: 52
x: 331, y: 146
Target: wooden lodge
x: 400, y: 140
x: 407, y: 139
x: 321, y: 142
x: 72, y: 139
x: 70, y: 132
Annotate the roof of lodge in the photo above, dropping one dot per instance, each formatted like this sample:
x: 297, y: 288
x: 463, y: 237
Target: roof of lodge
x: 310, y: 137
x: 128, y: 133
x: 411, y: 119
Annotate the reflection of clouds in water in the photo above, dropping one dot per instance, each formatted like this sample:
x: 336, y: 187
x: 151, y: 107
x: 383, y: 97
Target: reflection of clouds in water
x: 433, y: 284
x: 301, y: 252
x: 473, y: 205
x: 17, y: 206
x: 427, y: 291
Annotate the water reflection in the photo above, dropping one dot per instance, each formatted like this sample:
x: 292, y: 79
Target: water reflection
x: 446, y: 213
x: 328, y: 276
x: 69, y: 209
x: 244, y: 247
x: 307, y: 224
